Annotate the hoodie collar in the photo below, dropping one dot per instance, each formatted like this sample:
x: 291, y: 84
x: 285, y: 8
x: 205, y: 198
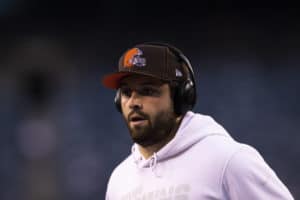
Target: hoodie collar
x: 193, y: 128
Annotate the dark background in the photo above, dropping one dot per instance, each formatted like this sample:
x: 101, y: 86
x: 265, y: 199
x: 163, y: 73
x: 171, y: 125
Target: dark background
x: 60, y: 134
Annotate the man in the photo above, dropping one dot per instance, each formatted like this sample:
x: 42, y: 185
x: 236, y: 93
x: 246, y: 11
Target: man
x: 178, y: 154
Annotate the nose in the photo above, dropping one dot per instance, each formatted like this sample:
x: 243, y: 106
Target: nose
x: 135, y: 101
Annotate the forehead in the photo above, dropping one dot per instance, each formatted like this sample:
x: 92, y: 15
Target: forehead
x: 140, y: 80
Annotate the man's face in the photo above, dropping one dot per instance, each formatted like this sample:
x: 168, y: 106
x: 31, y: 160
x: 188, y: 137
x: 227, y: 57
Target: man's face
x: 147, y: 109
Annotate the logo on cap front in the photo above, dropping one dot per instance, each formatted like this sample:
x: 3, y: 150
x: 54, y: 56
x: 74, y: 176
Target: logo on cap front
x: 133, y: 58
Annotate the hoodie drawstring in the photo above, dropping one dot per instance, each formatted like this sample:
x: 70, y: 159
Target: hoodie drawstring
x: 153, y: 161
x: 136, y: 157
x: 139, y: 161
x: 153, y: 164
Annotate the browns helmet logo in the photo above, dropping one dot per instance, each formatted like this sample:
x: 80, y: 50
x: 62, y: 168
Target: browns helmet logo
x: 133, y: 58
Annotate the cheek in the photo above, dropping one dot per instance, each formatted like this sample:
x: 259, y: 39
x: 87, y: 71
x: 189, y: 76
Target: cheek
x: 167, y: 102
x: 165, y: 105
x: 124, y: 108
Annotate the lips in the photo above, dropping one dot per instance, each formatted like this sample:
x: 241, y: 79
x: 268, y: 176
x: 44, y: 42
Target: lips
x: 137, y: 119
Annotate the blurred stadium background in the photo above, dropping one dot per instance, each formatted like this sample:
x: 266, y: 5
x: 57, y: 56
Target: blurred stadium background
x: 60, y: 134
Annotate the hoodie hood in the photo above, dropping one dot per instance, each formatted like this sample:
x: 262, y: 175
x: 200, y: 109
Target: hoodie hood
x: 193, y: 128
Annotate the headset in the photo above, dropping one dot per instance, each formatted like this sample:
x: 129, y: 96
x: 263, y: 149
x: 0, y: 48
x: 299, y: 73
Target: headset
x: 185, y: 95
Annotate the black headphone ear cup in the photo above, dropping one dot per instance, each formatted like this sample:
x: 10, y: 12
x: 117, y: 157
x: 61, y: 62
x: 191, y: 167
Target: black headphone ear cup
x: 184, y: 97
x: 117, y: 100
x: 189, y: 95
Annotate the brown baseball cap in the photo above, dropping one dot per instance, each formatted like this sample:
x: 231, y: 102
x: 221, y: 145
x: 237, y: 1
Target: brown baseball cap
x: 147, y: 59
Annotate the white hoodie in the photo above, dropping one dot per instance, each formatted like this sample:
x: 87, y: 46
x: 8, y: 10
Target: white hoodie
x: 201, y: 162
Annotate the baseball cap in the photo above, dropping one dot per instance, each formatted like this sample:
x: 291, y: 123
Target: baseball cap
x: 147, y: 59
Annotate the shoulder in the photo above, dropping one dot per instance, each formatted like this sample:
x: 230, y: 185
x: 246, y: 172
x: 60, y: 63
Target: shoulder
x: 122, y: 168
x: 247, y: 174
x: 218, y: 146
x: 248, y: 162
x: 247, y: 154
x: 118, y: 176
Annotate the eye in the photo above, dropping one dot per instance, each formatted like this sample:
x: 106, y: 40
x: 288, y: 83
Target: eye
x: 148, y: 91
x: 126, y: 92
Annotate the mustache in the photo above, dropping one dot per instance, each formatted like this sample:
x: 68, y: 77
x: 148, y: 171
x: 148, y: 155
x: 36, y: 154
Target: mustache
x: 140, y: 113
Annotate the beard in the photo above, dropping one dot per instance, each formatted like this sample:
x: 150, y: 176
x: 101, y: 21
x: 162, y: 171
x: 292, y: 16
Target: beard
x: 157, y: 129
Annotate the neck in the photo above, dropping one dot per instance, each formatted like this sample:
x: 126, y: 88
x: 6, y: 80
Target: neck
x: 148, y: 151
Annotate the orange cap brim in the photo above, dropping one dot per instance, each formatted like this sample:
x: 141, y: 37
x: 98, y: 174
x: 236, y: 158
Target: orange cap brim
x: 112, y: 81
